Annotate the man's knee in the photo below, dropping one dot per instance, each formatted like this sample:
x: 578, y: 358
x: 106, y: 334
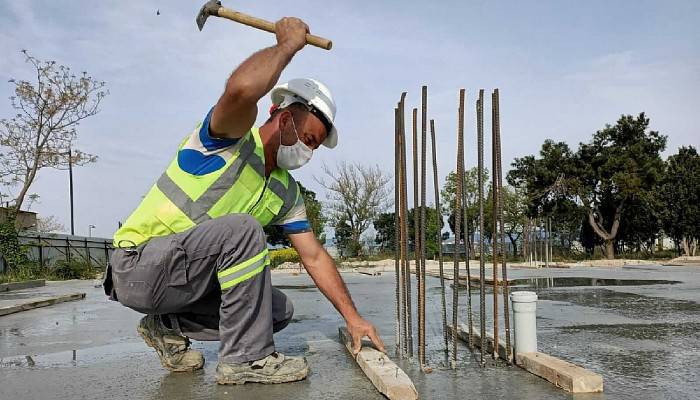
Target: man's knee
x: 244, y: 225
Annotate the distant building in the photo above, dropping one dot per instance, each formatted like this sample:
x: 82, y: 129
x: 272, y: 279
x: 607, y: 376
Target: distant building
x: 26, y: 220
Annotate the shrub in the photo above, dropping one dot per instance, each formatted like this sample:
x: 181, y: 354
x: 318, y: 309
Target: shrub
x: 280, y: 256
x: 74, y: 269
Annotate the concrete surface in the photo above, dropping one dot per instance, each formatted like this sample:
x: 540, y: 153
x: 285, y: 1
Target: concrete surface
x: 642, y: 338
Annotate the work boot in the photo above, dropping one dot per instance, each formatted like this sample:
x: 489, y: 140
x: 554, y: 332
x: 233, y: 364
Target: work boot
x: 172, y: 348
x: 275, y: 368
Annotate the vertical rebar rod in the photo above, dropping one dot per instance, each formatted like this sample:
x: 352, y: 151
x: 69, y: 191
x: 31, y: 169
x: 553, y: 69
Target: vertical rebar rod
x: 495, y: 191
x: 397, y: 242
x: 438, y: 212
x: 458, y: 220
x: 402, y: 233
x: 482, y: 265
x: 546, y: 242
x: 421, y: 294
x: 467, y: 256
x: 416, y: 225
x: 551, y: 244
x: 504, y: 267
x: 407, y: 263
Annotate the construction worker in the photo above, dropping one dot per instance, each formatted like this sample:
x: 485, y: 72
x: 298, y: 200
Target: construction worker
x: 193, y: 255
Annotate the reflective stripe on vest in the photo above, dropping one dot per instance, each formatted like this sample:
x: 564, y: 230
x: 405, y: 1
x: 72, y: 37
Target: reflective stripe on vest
x: 180, y: 200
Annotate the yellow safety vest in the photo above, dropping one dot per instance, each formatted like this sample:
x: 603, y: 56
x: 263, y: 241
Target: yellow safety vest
x: 180, y: 200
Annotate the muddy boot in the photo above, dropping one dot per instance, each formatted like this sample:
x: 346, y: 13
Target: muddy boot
x: 275, y: 368
x: 172, y: 348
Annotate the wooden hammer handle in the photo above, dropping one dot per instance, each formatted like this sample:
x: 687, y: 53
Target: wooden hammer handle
x: 269, y: 26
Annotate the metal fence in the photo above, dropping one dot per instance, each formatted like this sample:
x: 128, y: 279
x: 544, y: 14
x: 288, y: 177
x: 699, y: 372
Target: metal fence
x: 47, y: 249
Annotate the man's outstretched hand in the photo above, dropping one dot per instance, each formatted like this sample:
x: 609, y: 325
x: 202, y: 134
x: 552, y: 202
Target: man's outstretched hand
x: 360, y: 328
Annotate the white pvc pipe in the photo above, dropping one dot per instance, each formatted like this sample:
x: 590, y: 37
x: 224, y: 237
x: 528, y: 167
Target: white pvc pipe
x: 524, y: 321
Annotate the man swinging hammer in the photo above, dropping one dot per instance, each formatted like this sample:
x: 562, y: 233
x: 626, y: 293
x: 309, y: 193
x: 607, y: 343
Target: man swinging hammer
x: 193, y: 255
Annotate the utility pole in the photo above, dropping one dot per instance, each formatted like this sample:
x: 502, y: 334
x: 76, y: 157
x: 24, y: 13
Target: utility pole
x: 70, y: 183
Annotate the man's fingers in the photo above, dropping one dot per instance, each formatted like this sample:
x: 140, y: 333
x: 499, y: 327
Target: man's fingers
x: 377, y: 340
x: 356, y: 343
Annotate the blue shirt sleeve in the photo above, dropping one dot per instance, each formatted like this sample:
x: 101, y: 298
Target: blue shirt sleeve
x: 208, y: 141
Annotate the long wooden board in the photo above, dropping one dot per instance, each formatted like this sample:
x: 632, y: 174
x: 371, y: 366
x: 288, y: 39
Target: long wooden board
x: 463, y: 335
x: 40, y: 302
x: 560, y: 373
x: 386, y: 376
x: 565, y: 375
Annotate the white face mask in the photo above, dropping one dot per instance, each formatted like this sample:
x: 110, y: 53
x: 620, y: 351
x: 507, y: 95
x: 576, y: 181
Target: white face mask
x: 294, y: 156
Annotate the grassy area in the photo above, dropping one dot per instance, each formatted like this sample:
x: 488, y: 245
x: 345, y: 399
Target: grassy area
x: 61, y: 271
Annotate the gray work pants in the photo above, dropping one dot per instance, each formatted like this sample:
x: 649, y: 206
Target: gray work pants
x: 177, y: 275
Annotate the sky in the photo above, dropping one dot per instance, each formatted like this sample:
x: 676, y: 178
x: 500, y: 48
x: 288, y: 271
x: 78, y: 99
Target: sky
x: 564, y: 69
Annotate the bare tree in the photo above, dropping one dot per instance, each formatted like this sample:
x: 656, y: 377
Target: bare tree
x: 49, y: 224
x: 357, y: 194
x: 42, y: 132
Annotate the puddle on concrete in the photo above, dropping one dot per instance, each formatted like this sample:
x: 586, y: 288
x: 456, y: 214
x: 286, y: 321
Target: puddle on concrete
x: 581, y: 281
x: 73, y: 357
x: 563, y: 282
x: 654, y: 331
x: 658, y: 309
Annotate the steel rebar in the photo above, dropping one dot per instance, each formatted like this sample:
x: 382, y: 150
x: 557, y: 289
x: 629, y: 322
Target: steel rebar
x: 482, y: 265
x: 421, y: 294
x: 504, y: 267
x: 467, y: 254
x: 458, y: 219
x: 416, y: 226
x: 438, y: 212
x: 407, y: 265
x: 397, y: 243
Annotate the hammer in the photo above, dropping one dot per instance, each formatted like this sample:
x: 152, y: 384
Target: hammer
x: 214, y: 7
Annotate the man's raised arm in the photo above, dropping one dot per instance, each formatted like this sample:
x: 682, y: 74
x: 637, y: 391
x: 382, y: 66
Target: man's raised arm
x: 236, y: 110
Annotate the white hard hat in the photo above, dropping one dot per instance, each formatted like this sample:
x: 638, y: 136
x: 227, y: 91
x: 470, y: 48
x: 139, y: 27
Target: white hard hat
x: 313, y: 93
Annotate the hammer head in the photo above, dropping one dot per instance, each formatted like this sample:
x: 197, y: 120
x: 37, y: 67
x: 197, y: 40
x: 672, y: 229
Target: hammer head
x: 211, y: 7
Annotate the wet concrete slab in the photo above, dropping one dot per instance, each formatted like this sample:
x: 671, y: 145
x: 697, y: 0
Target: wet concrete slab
x: 641, y: 338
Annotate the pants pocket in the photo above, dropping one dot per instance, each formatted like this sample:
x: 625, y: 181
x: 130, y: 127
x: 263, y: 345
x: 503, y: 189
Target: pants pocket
x: 178, y: 266
x: 137, y: 295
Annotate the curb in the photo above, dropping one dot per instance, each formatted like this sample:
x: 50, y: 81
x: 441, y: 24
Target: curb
x: 40, y: 302
x: 6, y: 287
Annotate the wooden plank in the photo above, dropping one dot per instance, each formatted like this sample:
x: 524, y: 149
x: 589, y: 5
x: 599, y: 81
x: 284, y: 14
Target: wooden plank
x: 487, y: 281
x: 463, y: 335
x: 6, y: 287
x: 562, y: 374
x: 40, y: 302
x: 368, y: 271
x: 386, y: 376
x: 565, y: 375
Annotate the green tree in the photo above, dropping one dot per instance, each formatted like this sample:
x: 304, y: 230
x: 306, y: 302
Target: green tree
x: 621, y: 165
x: 680, y: 196
x: 314, y: 213
x: 514, y: 215
x: 385, y: 236
x: 613, y: 177
x: 347, y: 247
x: 384, y: 225
x: 471, y: 193
x: 542, y: 184
x: 433, y: 225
